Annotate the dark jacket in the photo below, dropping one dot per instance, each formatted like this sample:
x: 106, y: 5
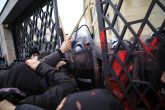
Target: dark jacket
x: 60, y: 85
x: 44, y: 87
x: 97, y: 99
x: 51, y: 60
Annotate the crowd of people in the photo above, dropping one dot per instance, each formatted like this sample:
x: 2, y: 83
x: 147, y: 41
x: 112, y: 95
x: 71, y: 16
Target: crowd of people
x: 46, y: 83
x: 43, y: 84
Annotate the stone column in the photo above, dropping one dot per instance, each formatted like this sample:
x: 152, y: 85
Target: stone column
x: 7, y: 45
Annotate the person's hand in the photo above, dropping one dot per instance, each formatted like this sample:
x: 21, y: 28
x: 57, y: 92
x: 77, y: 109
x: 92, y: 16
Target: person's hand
x: 33, y: 63
x: 66, y: 46
x: 6, y: 105
x: 163, y: 77
x: 61, y: 104
x: 61, y: 63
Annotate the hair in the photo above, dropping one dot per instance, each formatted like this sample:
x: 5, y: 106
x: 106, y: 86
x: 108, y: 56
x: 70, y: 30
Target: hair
x: 33, y: 50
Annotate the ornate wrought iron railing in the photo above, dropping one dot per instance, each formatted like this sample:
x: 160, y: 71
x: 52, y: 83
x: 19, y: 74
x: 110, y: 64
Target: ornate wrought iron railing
x: 134, y: 92
x: 38, y: 26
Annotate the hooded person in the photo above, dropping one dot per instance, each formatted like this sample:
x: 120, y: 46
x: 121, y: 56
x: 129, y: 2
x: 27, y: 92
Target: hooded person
x: 149, y: 65
x: 96, y: 99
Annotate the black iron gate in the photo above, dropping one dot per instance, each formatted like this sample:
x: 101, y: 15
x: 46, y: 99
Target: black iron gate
x: 132, y: 92
x: 38, y: 26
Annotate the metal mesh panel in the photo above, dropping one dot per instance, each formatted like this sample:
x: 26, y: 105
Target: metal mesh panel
x: 133, y: 92
x: 40, y: 29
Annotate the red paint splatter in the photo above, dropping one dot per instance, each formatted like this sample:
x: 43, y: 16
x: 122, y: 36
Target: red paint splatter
x: 102, y: 39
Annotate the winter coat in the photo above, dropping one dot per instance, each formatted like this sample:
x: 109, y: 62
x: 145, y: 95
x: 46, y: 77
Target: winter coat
x: 96, y: 99
x: 44, y: 87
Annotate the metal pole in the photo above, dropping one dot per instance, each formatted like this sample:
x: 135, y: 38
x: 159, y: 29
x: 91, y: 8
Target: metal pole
x: 57, y: 26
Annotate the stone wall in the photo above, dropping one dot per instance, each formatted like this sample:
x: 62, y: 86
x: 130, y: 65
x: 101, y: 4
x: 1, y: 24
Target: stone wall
x: 131, y: 10
x: 6, y: 42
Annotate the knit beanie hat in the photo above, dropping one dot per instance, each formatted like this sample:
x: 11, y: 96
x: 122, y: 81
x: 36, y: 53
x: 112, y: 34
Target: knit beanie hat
x: 33, y: 50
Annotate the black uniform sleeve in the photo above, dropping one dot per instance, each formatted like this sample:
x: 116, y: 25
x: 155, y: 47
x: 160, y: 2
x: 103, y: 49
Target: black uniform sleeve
x: 53, y: 75
x: 45, y: 70
x: 53, y: 58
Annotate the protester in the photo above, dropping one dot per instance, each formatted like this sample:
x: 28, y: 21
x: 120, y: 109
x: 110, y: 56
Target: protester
x: 153, y: 65
x: 33, y: 52
x: 97, y: 99
x: 44, y: 85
